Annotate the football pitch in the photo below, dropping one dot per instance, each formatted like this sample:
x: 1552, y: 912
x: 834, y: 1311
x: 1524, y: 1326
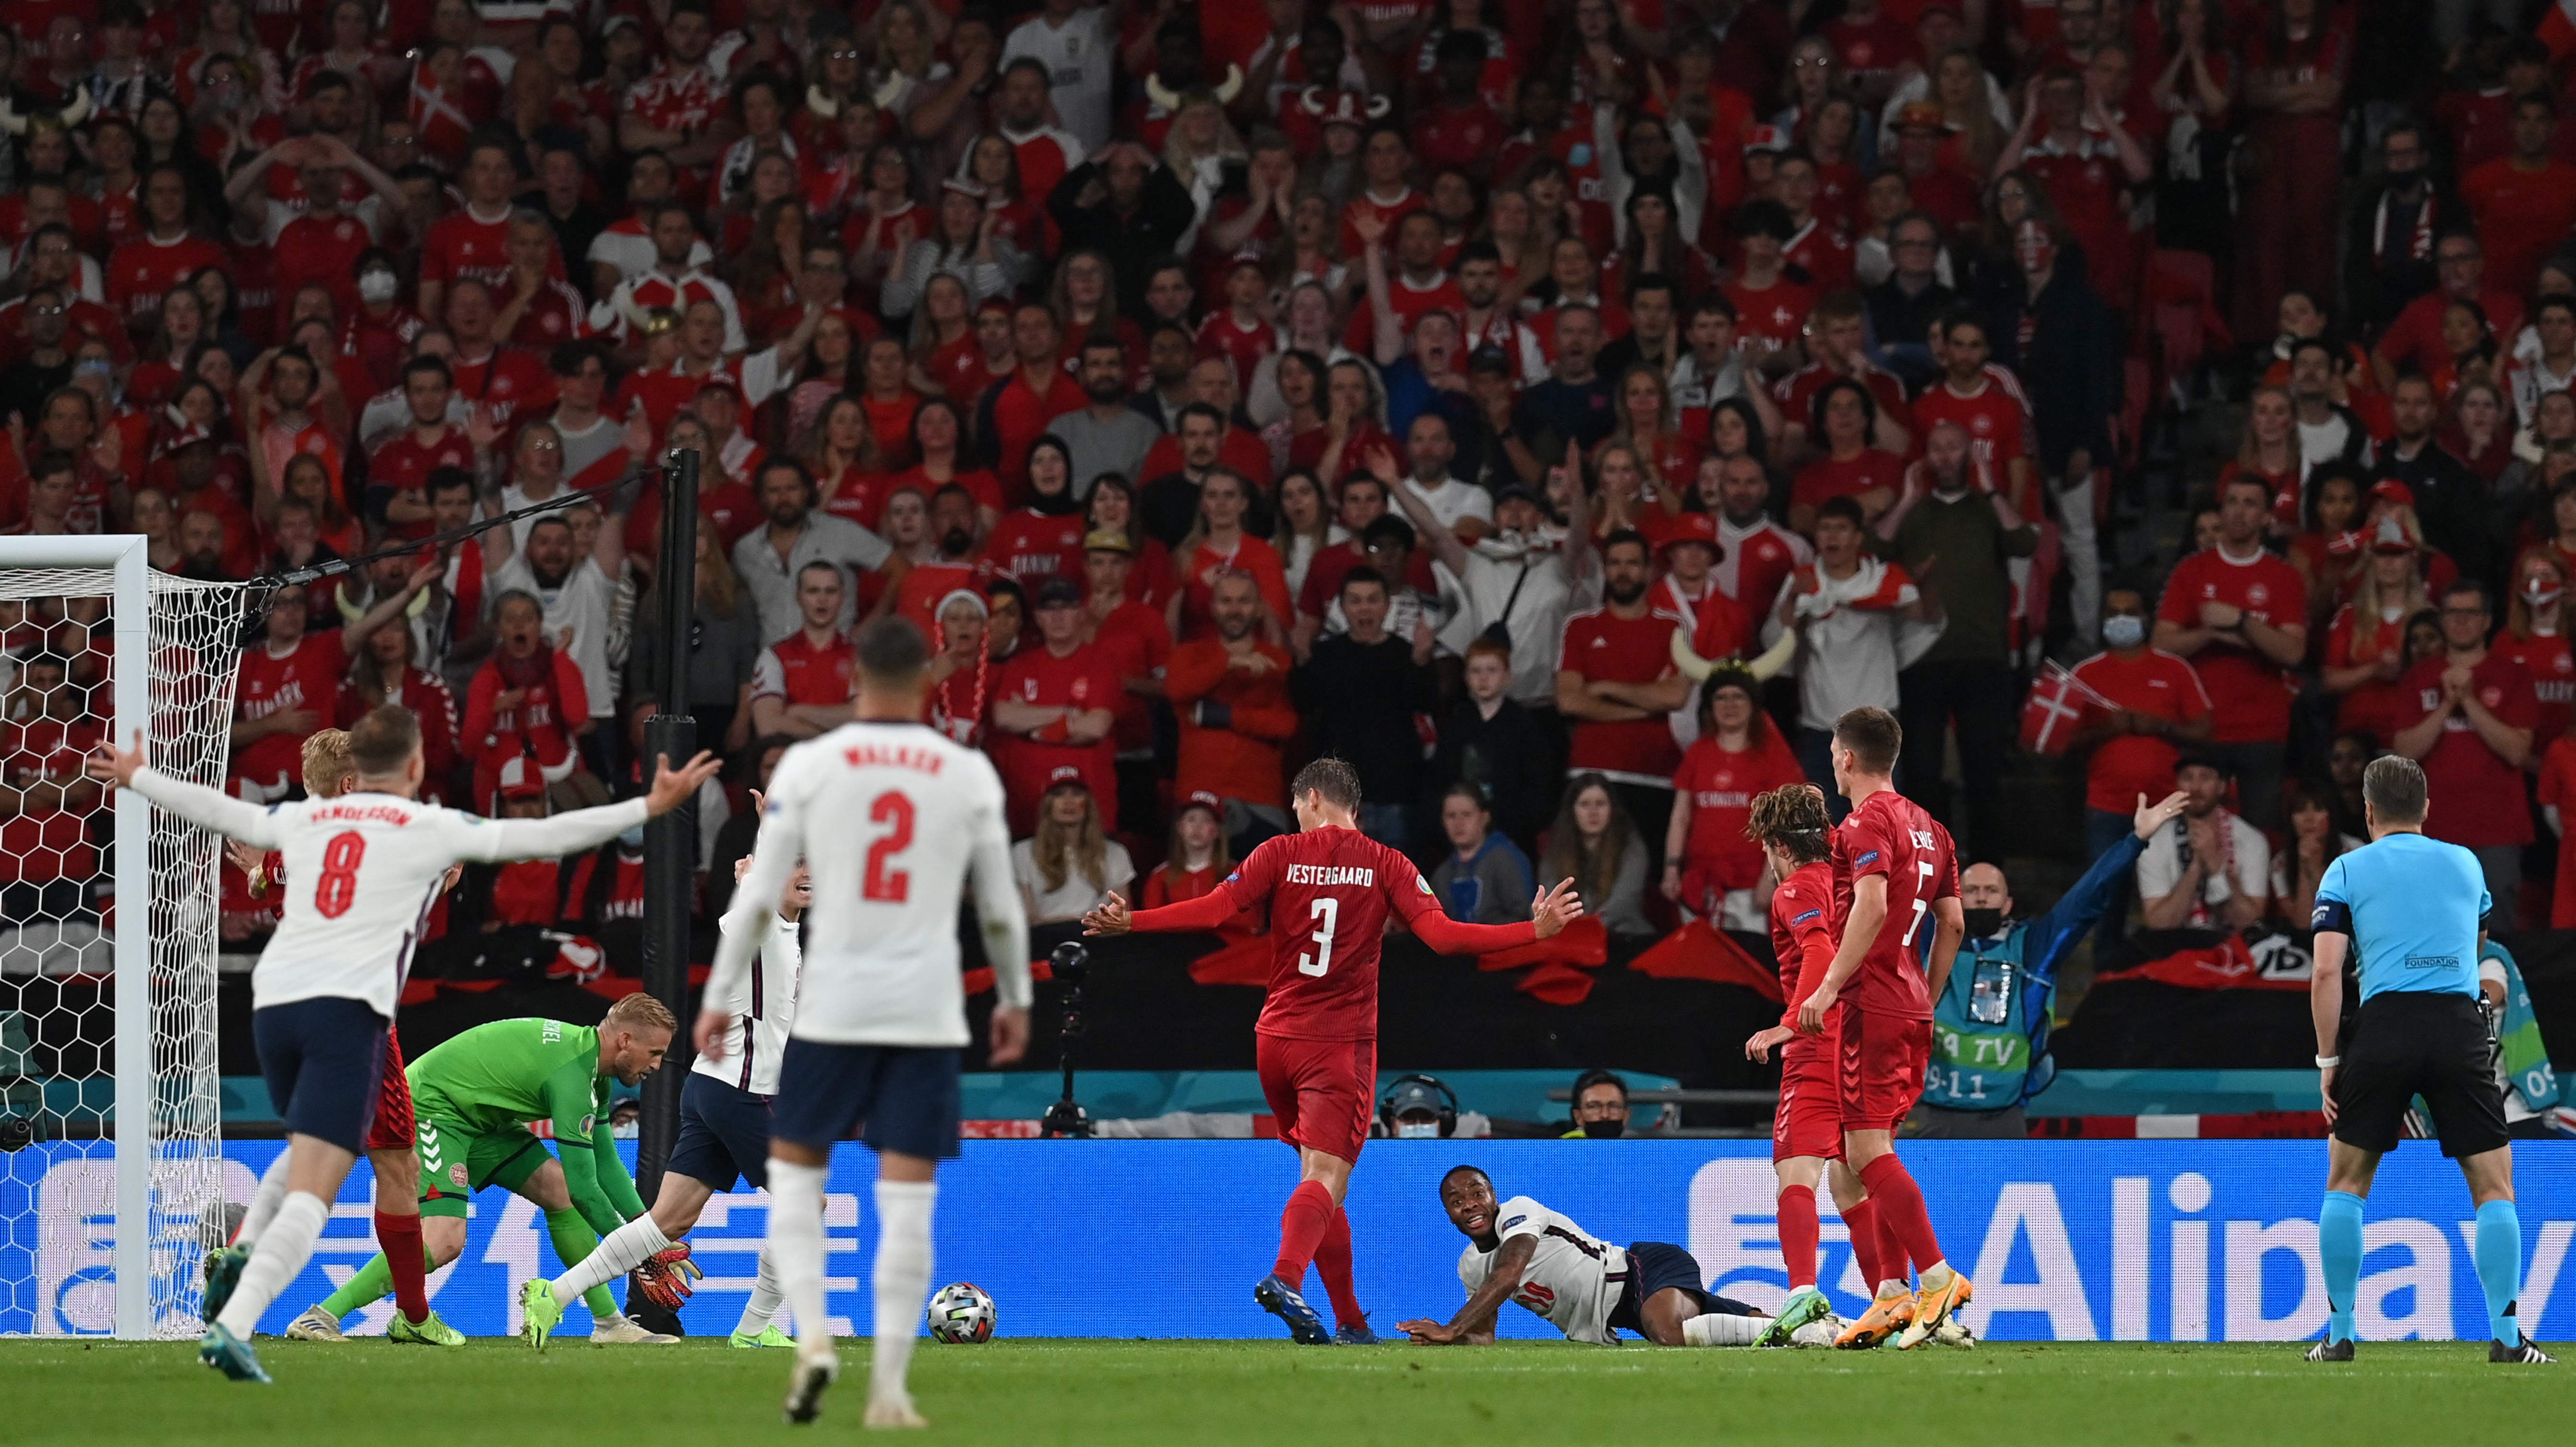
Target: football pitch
x: 1033, y: 1393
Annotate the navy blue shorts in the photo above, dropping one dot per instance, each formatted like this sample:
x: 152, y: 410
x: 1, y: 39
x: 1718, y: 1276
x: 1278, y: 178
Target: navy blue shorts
x: 323, y: 1059
x: 900, y: 1098
x: 724, y: 1134
x: 1655, y: 1266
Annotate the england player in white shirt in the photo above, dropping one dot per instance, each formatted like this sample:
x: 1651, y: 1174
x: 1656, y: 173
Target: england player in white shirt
x: 724, y: 1138
x: 1518, y: 1250
x: 366, y: 868
x: 891, y: 819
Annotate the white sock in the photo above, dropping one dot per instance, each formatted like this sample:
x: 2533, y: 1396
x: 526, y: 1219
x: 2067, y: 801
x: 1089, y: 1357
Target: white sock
x: 1717, y: 1329
x: 278, y: 1259
x: 902, y: 1282
x: 1936, y: 1275
x: 764, y: 1301
x: 796, y: 1246
x: 626, y: 1248
x: 264, y: 1203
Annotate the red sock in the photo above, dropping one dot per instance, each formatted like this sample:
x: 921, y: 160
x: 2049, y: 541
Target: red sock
x: 1302, y: 1222
x: 1891, y: 1251
x: 399, y: 1236
x: 1798, y: 1231
x: 1863, y: 1221
x: 1901, y: 1212
x: 1333, y: 1263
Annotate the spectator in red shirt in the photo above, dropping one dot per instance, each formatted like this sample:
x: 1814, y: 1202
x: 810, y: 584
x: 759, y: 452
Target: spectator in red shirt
x: 1055, y: 707
x: 2415, y: 338
x: 802, y: 684
x: 290, y: 685
x: 1845, y: 416
x: 1615, y: 681
x: 528, y: 701
x: 1017, y: 410
x: 1197, y: 860
x: 2468, y: 720
x: 1230, y: 693
x: 2525, y: 202
x: 2240, y: 615
x: 1710, y: 867
x: 2365, y: 645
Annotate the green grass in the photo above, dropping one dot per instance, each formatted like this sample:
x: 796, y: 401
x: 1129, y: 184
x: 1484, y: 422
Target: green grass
x: 1036, y: 1393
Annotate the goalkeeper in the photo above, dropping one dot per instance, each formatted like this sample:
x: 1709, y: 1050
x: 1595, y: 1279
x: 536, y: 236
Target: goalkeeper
x: 472, y: 1101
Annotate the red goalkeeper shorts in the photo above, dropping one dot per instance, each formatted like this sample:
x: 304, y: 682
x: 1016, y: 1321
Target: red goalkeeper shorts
x: 1809, y: 1121
x: 1882, y: 1058
x: 1321, y: 1092
x: 391, y: 1129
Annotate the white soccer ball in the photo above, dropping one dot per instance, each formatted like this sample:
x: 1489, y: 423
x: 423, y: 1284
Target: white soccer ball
x: 961, y: 1312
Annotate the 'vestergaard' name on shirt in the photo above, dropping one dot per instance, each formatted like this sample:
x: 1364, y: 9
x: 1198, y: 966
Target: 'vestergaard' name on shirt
x: 1329, y: 874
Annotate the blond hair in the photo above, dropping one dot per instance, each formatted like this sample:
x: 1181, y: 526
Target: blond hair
x: 639, y: 1012
x: 1059, y: 849
x: 328, y: 766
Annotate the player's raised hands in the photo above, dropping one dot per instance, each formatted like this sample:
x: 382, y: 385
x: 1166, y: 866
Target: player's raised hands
x: 2155, y: 816
x: 111, y: 765
x: 1112, y: 918
x: 1761, y: 1045
x: 674, y: 787
x: 1553, y: 909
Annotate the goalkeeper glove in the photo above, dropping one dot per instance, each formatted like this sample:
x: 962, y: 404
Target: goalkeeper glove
x: 669, y: 1277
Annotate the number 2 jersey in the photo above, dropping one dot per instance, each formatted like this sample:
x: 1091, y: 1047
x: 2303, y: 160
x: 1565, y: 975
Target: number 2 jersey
x: 1327, y: 894
x: 1574, y: 1278
x: 362, y: 872
x: 1890, y: 835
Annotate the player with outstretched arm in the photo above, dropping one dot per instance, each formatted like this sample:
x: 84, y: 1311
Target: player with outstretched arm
x: 1519, y: 1250
x: 724, y: 1138
x: 891, y: 820
x: 1327, y: 892
x: 2415, y: 909
x: 1893, y: 866
x: 326, y: 984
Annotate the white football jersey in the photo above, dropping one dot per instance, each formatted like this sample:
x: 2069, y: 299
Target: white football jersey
x: 1574, y: 1278
x: 363, y: 871
x: 891, y: 819
x: 756, y: 1036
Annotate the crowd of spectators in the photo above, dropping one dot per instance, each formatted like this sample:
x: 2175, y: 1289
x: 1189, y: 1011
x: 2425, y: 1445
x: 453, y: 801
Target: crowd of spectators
x: 1561, y: 409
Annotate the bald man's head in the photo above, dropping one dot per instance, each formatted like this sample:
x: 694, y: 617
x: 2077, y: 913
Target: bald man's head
x: 1982, y: 886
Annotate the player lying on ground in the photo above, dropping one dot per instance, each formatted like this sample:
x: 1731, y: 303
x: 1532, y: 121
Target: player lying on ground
x: 329, y: 773
x: 327, y: 982
x: 724, y: 1137
x: 891, y: 819
x: 1585, y: 1287
x: 1327, y: 892
x: 473, y: 1099
x: 1893, y: 867
x: 1794, y: 831
x: 2416, y: 911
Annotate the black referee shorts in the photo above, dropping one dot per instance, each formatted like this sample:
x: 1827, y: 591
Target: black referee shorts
x: 2414, y: 1042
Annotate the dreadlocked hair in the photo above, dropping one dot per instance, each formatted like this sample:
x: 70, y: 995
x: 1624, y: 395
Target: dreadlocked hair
x: 1792, y: 817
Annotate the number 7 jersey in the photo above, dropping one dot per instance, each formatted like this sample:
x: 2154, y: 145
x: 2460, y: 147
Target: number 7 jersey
x: 1890, y: 835
x: 1327, y: 894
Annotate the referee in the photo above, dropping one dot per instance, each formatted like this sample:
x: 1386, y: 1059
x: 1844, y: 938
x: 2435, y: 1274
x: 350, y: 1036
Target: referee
x: 2416, y: 909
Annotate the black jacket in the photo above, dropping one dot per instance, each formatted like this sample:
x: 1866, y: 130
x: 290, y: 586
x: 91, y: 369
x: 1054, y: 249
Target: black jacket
x: 1361, y: 699
x: 1163, y: 212
x: 2376, y: 289
x: 2070, y: 371
x: 2453, y: 505
x: 1515, y: 757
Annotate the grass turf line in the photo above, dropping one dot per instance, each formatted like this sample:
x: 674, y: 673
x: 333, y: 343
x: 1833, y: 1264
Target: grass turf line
x: 1039, y: 1393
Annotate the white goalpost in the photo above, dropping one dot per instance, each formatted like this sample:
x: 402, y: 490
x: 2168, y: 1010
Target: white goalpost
x: 111, y: 1163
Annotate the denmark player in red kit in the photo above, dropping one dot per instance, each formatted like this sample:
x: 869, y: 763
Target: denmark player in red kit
x: 1794, y: 831
x: 1327, y: 893
x: 1893, y: 866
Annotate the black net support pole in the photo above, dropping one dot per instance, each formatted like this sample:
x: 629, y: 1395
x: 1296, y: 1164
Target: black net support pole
x: 670, y: 842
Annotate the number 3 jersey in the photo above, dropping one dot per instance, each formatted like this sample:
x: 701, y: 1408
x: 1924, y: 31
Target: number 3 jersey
x: 362, y: 871
x: 891, y: 820
x: 1327, y: 894
x: 1890, y: 835
x: 1573, y: 1279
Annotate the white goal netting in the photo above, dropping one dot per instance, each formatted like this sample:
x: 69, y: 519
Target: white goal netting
x: 60, y: 913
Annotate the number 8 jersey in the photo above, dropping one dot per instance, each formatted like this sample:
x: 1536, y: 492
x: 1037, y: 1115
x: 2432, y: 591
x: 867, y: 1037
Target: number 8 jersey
x: 1327, y: 893
x: 1890, y: 835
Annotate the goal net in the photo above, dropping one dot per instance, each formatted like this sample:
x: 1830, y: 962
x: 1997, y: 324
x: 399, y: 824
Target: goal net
x: 111, y: 1164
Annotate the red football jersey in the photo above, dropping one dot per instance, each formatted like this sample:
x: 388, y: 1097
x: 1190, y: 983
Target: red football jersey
x: 306, y: 677
x: 795, y: 670
x: 464, y: 244
x: 1890, y: 835
x: 141, y: 270
x: 1602, y: 645
x: 1327, y: 894
x: 1991, y: 416
x: 1802, y: 939
x: 1031, y: 545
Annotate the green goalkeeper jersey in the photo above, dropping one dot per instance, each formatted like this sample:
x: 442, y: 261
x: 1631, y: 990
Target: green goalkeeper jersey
x: 499, y: 1077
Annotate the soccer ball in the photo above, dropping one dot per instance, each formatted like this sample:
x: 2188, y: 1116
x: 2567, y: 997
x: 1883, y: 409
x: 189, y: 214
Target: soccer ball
x: 960, y: 1312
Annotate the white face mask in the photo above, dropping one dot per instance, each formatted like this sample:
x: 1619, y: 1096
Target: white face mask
x: 377, y: 286
x: 1417, y: 1130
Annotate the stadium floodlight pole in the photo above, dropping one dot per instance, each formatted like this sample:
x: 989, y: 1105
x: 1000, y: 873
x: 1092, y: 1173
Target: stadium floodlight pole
x: 670, y: 841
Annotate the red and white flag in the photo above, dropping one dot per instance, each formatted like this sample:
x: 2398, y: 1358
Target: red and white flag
x: 2059, y: 706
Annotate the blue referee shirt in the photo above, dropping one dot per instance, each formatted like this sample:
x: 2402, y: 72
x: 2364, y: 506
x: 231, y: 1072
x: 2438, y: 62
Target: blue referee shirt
x: 2412, y: 906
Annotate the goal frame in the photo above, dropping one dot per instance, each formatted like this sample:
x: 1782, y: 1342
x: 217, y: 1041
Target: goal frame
x: 126, y: 557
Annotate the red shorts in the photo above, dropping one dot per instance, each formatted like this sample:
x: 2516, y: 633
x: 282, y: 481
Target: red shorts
x: 391, y: 1129
x: 1809, y: 1121
x: 1321, y: 1092
x: 1882, y: 1060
